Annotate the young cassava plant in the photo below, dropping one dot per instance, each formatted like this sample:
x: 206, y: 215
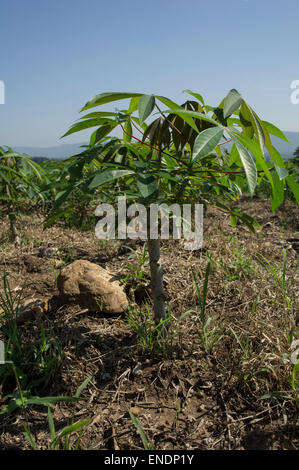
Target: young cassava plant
x: 19, y: 182
x: 176, y: 153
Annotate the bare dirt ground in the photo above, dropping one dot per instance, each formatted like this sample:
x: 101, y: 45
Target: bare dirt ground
x: 190, y: 393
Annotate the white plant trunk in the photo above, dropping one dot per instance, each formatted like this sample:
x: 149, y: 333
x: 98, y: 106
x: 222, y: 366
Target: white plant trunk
x: 157, y: 280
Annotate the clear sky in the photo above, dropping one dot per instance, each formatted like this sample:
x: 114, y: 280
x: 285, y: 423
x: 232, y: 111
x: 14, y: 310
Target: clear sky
x: 56, y: 54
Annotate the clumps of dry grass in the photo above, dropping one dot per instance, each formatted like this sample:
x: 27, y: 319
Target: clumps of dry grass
x: 206, y: 392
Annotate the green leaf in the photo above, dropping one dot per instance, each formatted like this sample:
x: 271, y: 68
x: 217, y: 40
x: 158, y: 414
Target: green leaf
x: 168, y: 102
x: 128, y: 131
x: 173, y: 106
x: 79, y: 126
x: 100, y: 133
x: 294, y: 187
x: 231, y: 103
x: 140, y: 431
x: 83, y: 385
x: 56, y: 215
x: 104, y: 98
x: 133, y: 105
x: 108, y: 175
x: 71, y: 429
x: 276, y: 157
x: 245, y: 120
x: 101, y: 114
x: 275, y: 131
x: 253, y: 147
x: 52, y: 428
x: 257, y: 125
x: 30, y: 437
x: 234, y: 156
x: 277, y: 197
x: 10, y: 407
x: 249, y: 167
x: 196, y: 95
x: 205, y: 142
x: 146, y: 105
x: 282, y: 172
x: 147, y: 186
x: 186, y: 115
x: 233, y: 220
x: 62, y: 196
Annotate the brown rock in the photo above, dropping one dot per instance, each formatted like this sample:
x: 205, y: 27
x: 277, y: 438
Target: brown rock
x: 92, y: 287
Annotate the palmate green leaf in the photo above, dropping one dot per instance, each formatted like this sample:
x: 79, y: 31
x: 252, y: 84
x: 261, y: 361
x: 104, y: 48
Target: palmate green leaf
x: 249, y: 167
x: 79, y: 126
x: 104, y: 98
x: 108, y: 175
x: 205, y: 142
x: 232, y: 102
x: 146, y: 105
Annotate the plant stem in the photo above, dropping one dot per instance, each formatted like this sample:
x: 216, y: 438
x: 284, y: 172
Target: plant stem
x: 12, y: 222
x: 156, y: 275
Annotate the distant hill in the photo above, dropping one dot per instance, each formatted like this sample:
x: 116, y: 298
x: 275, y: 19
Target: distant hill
x: 283, y: 147
x: 58, y: 152
x: 67, y: 150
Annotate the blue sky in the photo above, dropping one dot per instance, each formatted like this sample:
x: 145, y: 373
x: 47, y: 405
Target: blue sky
x: 56, y: 54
